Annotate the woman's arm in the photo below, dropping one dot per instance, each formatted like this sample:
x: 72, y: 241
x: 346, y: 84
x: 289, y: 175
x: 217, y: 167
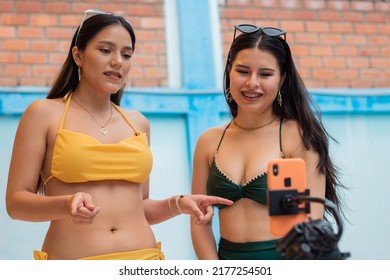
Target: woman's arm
x: 202, y: 234
x: 26, y: 162
x: 198, y: 206
x: 314, y: 178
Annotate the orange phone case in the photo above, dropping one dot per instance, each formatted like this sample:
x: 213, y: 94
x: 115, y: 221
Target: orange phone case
x: 286, y: 174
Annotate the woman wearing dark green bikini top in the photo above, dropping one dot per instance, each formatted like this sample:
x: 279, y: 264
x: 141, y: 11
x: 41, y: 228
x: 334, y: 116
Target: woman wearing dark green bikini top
x: 271, y: 118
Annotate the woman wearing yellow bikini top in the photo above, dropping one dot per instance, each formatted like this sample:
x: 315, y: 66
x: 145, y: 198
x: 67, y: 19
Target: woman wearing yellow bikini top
x: 91, y: 157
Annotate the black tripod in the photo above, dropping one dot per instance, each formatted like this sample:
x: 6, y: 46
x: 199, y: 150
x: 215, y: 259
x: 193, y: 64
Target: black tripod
x: 311, y: 240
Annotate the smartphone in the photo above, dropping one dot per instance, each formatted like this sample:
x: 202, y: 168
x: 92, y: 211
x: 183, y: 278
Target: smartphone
x: 286, y: 177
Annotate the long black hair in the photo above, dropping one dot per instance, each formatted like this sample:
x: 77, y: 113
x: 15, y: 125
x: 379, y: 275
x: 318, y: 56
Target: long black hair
x: 297, y: 103
x: 68, y: 79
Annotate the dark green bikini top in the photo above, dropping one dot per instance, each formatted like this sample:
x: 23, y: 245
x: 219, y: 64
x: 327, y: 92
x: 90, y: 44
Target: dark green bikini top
x: 219, y: 184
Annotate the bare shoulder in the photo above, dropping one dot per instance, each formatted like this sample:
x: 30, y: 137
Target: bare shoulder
x: 291, y: 137
x: 43, y: 110
x: 211, y: 137
x: 137, y: 119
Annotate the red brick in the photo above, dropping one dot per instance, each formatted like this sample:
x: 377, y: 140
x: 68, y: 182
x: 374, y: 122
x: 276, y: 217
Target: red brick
x: 365, y: 6
x: 57, y: 7
x: 265, y: 3
x: 353, y: 17
x: 358, y: 62
x: 365, y: 28
x: 13, y: 19
x: 361, y: 84
x: 334, y: 62
x: 379, y: 63
x: 347, y: 74
x: 44, y: 70
x: 28, y: 6
x: 59, y: 33
x: 33, y: 58
x: 15, y: 70
x: 119, y: 8
x: 33, y: 81
x: 314, y: 4
x: 9, y: 81
x: 341, y: 27
x: 337, y: 84
x: 304, y: 15
x: 381, y: 6
x: 315, y: 26
x: 377, y: 17
x: 70, y: 20
x: 44, y: 45
x: 6, y: 6
x: 30, y: 32
x: 345, y: 50
x: 141, y: 10
x: 368, y: 51
x: 340, y: 5
x: 310, y: 61
x: 8, y: 57
x: 323, y: 74
x: 252, y: 14
x: 16, y: 45
x: 299, y: 50
x: 321, y: 51
x: 152, y: 23
x: 355, y: 39
x: 330, y: 16
x: 378, y: 40
x: 306, y: 38
x: 315, y: 84
x: 7, y: 31
x: 44, y: 20
x: 231, y: 13
x: 280, y: 14
x: 331, y: 39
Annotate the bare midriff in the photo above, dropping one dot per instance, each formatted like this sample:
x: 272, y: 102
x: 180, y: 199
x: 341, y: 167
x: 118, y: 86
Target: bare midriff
x: 120, y: 226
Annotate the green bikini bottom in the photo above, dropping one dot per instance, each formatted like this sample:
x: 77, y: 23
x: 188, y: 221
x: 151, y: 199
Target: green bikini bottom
x: 262, y: 250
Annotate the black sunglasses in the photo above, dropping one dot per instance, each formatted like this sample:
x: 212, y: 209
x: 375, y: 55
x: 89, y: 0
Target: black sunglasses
x: 250, y: 28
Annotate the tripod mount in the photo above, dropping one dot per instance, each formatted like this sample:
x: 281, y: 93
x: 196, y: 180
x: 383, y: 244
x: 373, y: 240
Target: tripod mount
x: 311, y: 240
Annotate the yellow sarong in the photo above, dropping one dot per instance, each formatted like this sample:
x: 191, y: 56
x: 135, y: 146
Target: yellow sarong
x: 144, y: 254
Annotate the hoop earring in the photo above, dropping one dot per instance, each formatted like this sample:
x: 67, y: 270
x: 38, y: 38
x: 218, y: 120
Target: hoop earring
x: 229, y: 96
x: 279, y: 98
x: 79, y: 73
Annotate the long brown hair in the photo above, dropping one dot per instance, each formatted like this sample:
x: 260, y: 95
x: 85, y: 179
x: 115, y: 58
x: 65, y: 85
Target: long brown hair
x: 297, y: 103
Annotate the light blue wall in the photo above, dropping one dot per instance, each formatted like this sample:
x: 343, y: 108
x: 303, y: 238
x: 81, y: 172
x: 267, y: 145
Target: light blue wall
x: 362, y: 155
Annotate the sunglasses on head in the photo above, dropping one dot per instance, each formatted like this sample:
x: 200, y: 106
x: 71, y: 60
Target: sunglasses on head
x: 88, y: 14
x: 250, y: 28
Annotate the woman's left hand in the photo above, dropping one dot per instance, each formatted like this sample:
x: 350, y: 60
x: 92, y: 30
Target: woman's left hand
x: 201, y: 206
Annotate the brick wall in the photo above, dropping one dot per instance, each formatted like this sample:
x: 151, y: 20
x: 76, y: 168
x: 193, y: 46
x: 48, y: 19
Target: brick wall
x: 35, y: 36
x: 335, y: 43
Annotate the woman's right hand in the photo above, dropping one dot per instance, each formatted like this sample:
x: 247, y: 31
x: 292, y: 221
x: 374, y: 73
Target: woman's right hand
x: 81, y: 208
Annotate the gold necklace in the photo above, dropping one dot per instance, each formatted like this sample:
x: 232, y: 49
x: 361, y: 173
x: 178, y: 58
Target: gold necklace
x: 252, y: 128
x: 103, y: 129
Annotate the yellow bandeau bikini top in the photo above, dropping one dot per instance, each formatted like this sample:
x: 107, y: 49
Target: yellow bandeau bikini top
x: 81, y: 158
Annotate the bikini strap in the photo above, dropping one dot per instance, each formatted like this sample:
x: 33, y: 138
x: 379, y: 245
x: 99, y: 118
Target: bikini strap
x: 128, y: 122
x: 223, y: 134
x: 280, y: 139
x: 66, y: 99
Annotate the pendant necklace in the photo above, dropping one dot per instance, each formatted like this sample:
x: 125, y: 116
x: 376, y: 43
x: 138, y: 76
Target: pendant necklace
x: 252, y: 128
x: 103, y: 129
